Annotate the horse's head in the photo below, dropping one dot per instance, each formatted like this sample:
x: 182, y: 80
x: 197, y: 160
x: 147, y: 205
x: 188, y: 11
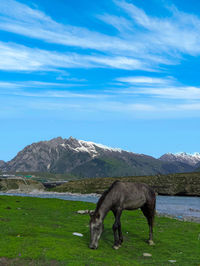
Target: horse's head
x: 96, y: 228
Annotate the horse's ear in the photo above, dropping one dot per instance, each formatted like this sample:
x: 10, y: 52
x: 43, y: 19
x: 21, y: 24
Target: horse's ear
x: 91, y: 213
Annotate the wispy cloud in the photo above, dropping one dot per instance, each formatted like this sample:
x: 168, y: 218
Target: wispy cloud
x: 120, y: 23
x: 56, y: 94
x: 21, y: 19
x: 142, y: 80
x: 44, y: 90
x: 144, y: 42
x: 178, y: 32
x: 178, y: 93
x: 141, y: 48
x: 35, y: 84
x: 16, y: 57
x: 60, y: 103
x: 141, y: 42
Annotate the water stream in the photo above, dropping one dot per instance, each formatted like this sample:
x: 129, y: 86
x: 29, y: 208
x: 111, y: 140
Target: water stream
x: 177, y: 206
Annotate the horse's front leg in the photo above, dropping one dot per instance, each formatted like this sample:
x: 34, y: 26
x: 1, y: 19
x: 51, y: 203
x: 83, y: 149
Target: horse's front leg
x: 150, y: 241
x: 120, y: 233
x: 118, y: 238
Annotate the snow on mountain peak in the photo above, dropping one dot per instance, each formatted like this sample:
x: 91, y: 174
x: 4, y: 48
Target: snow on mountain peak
x: 86, y: 146
x: 183, y: 157
x: 91, y: 146
x: 185, y: 154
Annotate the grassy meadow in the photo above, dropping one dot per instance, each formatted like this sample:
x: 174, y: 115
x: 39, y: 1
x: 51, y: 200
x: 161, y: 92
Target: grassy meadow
x: 40, y: 232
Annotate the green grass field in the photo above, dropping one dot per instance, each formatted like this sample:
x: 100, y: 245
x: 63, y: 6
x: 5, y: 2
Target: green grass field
x: 40, y: 232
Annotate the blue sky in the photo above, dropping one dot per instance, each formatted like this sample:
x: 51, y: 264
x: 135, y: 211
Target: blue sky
x: 121, y: 73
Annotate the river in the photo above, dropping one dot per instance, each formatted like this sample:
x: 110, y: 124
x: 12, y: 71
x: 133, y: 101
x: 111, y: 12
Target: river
x: 177, y: 206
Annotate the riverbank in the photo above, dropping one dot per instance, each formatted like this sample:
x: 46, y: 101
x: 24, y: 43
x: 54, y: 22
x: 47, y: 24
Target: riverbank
x: 180, y: 218
x: 39, y: 231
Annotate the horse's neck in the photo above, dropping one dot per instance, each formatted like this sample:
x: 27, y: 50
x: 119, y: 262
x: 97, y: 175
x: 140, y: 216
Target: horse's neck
x: 104, y: 208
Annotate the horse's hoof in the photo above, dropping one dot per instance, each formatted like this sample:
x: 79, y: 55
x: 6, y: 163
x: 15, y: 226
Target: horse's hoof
x: 116, y: 247
x: 151, y: 243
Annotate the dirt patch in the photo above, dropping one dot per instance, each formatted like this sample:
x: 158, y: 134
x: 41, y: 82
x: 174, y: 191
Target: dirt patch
x: 4, y: 219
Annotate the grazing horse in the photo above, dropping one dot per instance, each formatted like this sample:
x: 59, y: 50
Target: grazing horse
x: 122, y: 196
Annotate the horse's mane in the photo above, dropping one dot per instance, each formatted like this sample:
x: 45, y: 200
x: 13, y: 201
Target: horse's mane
x: 100, y: 201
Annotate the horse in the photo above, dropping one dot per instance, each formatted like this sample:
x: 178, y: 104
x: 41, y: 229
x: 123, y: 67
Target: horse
x: 122, y: 196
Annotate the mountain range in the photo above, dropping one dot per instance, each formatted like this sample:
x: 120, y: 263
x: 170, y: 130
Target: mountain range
x: 88, y: 159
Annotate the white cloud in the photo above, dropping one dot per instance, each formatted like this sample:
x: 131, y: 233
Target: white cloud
x: 179, y: 93
x: 178, y: 32
x: 35, y: 84
x: 44, y: 90
x: 23, y: 20
x: 56, y: 94
x: 142, y: 42
x: 132, y: 46
x: 120, y: 23
x: 150, y: 110
x: 121, y: 62
x: 141, y: 80
x: 21, y: 58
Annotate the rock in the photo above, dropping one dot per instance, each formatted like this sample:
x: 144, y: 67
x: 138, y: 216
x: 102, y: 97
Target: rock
x: 116, y: 247
x: 77, y: 234
x: 151, y: 243
x: 83, y: 212
x: 147, y: 255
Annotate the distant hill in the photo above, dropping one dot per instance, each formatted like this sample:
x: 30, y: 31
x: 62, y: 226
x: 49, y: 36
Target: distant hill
x: 197, y: 166
x: 181, y: 184
x: 87, y: 159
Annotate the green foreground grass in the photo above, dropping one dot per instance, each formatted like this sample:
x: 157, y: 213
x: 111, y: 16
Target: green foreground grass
x: 40, y: 232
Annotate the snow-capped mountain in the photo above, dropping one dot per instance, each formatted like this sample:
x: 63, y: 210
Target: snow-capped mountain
x: 81, y: 158
x: 191, y: 159
x: 91, y: 148
x: 88, y: 159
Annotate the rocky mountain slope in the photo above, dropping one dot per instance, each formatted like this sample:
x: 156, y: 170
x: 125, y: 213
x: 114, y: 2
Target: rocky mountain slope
x: 87, y: 159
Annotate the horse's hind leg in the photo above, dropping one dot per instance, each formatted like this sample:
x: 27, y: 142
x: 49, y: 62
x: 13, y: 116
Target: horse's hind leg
x: 118, y: 238
x: 149, y: 212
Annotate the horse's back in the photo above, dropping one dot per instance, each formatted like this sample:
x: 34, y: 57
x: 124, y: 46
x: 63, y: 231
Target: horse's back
x: 132, y: 195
